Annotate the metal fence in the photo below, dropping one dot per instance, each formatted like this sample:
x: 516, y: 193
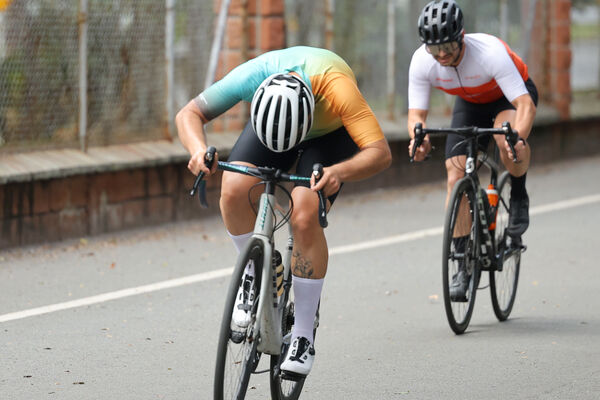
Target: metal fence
x: 100, y: 64
x: 361, y: 31
x: 102, y: 68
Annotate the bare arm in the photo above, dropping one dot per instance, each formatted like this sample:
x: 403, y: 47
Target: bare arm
x: 371, y: 159
x: 525, y: 114
x: 523, y: 121
x: 414, y: 116
x: 190, y: 128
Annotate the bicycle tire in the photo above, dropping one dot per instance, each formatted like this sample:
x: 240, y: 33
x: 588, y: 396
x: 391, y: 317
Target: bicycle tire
x: 283, y: 389
x: 236, y: 361
x: 459, y: 313
x: 503, y: 284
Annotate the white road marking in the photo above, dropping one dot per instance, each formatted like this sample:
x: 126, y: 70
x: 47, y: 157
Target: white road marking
x: 206, y: 276
x: 119, y: 294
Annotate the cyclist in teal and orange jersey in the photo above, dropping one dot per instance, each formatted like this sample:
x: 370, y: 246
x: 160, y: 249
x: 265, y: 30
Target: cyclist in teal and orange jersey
x: 306, y: 108
x: 492, y: 85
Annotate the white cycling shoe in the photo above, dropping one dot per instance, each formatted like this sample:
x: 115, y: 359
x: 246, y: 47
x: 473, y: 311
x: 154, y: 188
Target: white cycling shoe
x: 299, y: 358
x: 242, y: 309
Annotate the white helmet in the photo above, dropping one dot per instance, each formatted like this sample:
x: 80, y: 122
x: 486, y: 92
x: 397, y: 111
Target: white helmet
x: 282, y: 111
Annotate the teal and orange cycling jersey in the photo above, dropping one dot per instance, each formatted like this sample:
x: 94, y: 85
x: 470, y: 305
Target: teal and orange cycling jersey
x: 338, y: 101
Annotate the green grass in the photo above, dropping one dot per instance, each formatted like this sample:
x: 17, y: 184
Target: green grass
x: 585, y: 31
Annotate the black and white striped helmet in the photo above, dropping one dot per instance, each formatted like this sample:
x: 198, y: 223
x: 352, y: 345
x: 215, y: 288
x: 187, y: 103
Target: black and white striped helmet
x: 282, y: 111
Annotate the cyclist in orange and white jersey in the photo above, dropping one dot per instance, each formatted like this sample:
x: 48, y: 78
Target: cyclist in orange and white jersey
x: 306, y: 108
x: 492, y: 86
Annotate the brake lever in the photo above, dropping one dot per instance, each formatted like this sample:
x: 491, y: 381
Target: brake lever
x: 318, y: 174
x: 199, y: 184
x: 511, y: 138
x: 419, y: 137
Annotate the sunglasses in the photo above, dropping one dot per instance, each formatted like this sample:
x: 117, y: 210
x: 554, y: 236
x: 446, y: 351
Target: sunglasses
x: 436, y: 49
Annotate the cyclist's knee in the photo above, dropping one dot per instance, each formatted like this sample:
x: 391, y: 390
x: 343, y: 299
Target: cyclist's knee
x: 232, y: 197
x: 304, y: 217
x: 454, y: 175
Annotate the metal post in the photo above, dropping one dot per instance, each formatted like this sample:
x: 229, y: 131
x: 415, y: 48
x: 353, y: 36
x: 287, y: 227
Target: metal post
x: 529, y: 29
x: 170, y: 64
x: 391, y: 57
x: 504, y: 20
x: 244, y: 51
x: 82, y: 22
x: 329, y: 12
x: 257, y: 30
x: 216, y: 44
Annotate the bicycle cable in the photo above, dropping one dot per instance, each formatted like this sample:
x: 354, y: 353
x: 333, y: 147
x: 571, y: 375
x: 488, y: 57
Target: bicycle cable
x: 480, y: 160
x: 286, y: 217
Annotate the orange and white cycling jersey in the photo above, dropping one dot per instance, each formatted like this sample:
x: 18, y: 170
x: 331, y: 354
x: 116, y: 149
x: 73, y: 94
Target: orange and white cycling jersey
x: 488, y: 70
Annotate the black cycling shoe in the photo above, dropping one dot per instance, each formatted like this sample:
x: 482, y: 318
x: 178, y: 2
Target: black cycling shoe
x: 459, y: 286
x: 518, y: 221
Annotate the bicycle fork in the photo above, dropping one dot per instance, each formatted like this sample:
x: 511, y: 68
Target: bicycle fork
x: 487, y: 246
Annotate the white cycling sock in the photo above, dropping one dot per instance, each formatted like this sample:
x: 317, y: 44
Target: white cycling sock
x: 239, y: 241
x: 307, y: 293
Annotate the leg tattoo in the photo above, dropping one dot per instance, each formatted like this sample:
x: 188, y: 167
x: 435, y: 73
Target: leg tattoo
x: 302, y: 267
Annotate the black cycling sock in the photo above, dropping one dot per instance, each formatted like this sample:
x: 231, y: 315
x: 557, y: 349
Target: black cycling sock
x: 459, y: 243
x: 459, y: 247
x: 518, y: 190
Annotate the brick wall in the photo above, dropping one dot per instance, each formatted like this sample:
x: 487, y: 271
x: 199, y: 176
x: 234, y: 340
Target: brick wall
x: 242, y: 42
x: 82, y: 205
x: 48, y: 210
x: 550, y: 52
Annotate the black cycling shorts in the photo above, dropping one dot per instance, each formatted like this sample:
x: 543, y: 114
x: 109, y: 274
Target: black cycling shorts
x: 480, y: 115
x: 329, y: 149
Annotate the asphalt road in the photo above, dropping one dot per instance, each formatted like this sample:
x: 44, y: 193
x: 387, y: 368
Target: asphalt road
x: 135, y: 315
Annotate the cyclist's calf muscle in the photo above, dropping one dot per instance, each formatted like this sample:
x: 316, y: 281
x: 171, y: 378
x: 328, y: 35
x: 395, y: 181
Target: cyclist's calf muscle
x: 310, y: 254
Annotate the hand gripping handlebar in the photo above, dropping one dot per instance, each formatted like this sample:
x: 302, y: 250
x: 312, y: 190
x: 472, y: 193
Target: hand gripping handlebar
x: 199, y: 184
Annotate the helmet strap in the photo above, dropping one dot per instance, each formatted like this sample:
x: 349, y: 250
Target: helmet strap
x: 460, y: 48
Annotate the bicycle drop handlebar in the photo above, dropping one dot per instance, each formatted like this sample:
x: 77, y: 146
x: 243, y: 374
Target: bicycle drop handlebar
x: 266, y: 174
x: 470, y: 132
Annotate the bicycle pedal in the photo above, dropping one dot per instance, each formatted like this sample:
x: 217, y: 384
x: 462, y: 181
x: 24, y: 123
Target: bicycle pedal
x: 292, y: 376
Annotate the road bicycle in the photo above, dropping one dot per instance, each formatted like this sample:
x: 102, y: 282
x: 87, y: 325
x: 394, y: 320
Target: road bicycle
x: 475, y: 236
x: 272, y: 315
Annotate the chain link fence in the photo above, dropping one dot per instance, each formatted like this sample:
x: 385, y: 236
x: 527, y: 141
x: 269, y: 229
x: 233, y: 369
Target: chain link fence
x: 360, y: 29
x: 38, y: 71
x: 124, y: 75
x: 126, y: 90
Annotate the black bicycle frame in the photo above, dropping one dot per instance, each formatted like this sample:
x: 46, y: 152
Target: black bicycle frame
x: 482, y: 207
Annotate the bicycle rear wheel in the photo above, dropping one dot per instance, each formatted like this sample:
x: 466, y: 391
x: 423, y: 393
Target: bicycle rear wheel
x: 503, y: 283
x: 461, y: 223
x: 237, y: 357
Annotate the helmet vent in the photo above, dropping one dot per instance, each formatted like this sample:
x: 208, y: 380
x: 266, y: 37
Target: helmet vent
x: 440, y: 22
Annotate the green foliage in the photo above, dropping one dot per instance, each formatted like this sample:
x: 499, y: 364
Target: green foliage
x: 585, y: 31
x: 580, y: 4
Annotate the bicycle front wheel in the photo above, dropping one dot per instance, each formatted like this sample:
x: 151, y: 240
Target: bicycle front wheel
x: 460, y: 253
x: 237, y: 357
x: 503, y: 282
